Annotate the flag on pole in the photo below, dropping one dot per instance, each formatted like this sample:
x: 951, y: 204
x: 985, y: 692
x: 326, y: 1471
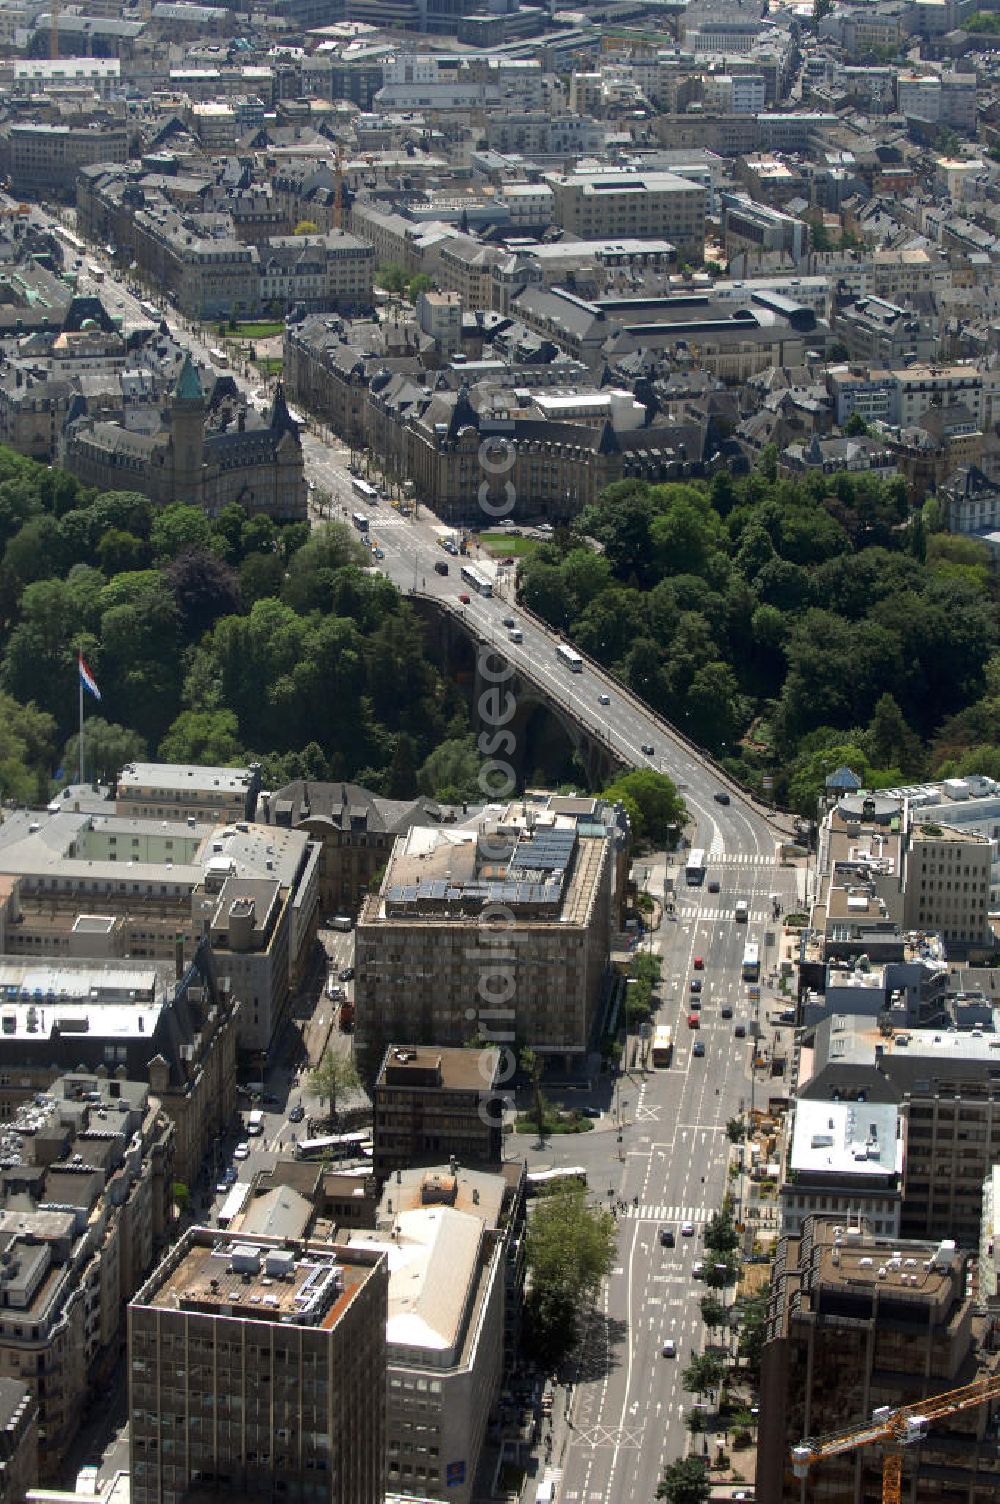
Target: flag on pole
x: 87, y: 679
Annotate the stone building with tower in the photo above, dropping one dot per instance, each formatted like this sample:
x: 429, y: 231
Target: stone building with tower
x: 208, y: 449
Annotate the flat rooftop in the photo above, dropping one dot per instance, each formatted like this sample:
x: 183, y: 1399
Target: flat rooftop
x: 846, y: 1138
x: 433, y: 1066
x: 182, y: 777
x: 297, y: 1285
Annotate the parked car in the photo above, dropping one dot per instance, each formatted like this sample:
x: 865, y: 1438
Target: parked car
x: 230, y: 1176
x: 698, y: 1269
x: 591, y: 1112
x: 346, y: 973
x: 696, y: 1005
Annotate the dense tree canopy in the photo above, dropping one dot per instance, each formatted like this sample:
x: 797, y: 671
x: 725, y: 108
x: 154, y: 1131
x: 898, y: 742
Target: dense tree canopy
x: 212, y: 639
x: 785, y: 625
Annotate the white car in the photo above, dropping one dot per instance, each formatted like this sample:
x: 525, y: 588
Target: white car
x: 603, y: 699
x: 687, y: 1229
x: 242, y: 1150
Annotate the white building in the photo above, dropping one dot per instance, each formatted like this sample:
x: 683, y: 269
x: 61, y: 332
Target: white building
x: 48, y: 75
x: 844, y: 1159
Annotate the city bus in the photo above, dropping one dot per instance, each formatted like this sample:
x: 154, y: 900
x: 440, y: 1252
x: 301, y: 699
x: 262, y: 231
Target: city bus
x: 150, y: 311
x: 219, y: 357
x: 360, y: 521
x: 476, y: 580
x: 570, y: 658
x: 236, y: 1199
x: 336, y: 1146
x: 694, y: 867
x: 96, y: 272
x: 541, y: 1182
x: 663, y: 1045
x: 751, y: 962
x: 365, y: 492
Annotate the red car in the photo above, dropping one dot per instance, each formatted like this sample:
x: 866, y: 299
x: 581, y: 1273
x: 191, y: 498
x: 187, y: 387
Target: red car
x: 465, y: 599
x: 694, y: 1022
x: 699, y: 963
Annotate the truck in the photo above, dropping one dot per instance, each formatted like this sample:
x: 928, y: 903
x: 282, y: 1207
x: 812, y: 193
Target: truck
x: 742, y: 911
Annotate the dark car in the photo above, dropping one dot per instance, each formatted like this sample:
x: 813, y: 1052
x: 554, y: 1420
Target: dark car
x: 699, y: 1048
x: 667, y: 1238
x: 440, y: 566
x: 509, y: 621
x: 347, y: 973
x: 721, y: 797
x: 297, y: 1114
x: 696, y: 984
x: 591, y: 1112
x: 727, y: 1010
x: 648, y: 749
x: 713, y: 887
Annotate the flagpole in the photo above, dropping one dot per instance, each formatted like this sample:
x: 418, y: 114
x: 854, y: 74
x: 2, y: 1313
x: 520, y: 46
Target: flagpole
x: 80, y: 679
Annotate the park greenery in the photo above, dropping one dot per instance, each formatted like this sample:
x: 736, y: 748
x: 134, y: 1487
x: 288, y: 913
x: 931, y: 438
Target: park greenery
x: 332, y: 1078
x: 213, y: 640
x: 788, y: 626
x: 570, y: 1250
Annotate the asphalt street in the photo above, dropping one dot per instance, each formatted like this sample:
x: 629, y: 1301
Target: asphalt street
x: 626, y: 1415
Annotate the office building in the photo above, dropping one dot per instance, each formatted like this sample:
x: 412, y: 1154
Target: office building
x: 257, y: 1369
x: 42, y: 160
x: 432, y: 1104
x: 425, y: 939
x: 177, y: 791
x: 844, y: 1159
x: 856, y: 1322
x: 18, y: 1440
x: 625, y: 202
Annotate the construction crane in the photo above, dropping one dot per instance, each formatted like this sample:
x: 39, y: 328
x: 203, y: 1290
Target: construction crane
x: 896, y: 1429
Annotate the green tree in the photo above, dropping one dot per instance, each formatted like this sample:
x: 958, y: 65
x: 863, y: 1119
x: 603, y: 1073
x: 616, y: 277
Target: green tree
x: 209, y: 737
x: 736, y: 1130
x: 703, y: 1374
x: 653, y: 804
x: 27, y: 750
x: 392, y: 277
x: 753, y: 1331
x: 107, y: 747
x: 531, y: 1065
x: 332, y: 1077
x: 180, y: 528
x: 713, y: 1312
x: 570, y: 1250
x: 418, y: 284
x: 306, y: 227
x: 721, y: 1272
x: 451, y: 772
x: 856, y: 427
x: 720, y: 1233
x: 685, y: 1481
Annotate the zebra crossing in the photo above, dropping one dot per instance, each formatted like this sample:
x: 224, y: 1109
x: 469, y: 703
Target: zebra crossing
x: 741, y: 859
x: 696, y: 911
x: 647, y: 1212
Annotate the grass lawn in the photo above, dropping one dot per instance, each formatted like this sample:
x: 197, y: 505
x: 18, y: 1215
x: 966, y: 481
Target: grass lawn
x: 272, y: 366
x: 256, y: 331
x: 505, y: 546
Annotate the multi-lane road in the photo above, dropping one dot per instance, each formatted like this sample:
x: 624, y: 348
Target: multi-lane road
x: 627, y: 1415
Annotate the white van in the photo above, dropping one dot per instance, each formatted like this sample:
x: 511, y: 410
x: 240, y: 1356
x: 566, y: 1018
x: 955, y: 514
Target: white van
x: 515, y: 634
x: 742, y: 911
x: 255, y: 1123
x: 342, y: 922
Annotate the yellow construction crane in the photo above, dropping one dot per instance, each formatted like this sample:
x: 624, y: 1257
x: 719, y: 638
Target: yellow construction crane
x: 895, y: 1429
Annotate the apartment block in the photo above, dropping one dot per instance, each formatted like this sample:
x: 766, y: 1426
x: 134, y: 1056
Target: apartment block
x: 87, y: 1180
x: 178, y: 791
x: 429, y: 941
x: 757, y: 228
x: 258, y: 1368
x: 18, y: 1440
x: 856, y: 1322
x: 432, y: 1104
x: 622, y: 201
x: 844, y: 1159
